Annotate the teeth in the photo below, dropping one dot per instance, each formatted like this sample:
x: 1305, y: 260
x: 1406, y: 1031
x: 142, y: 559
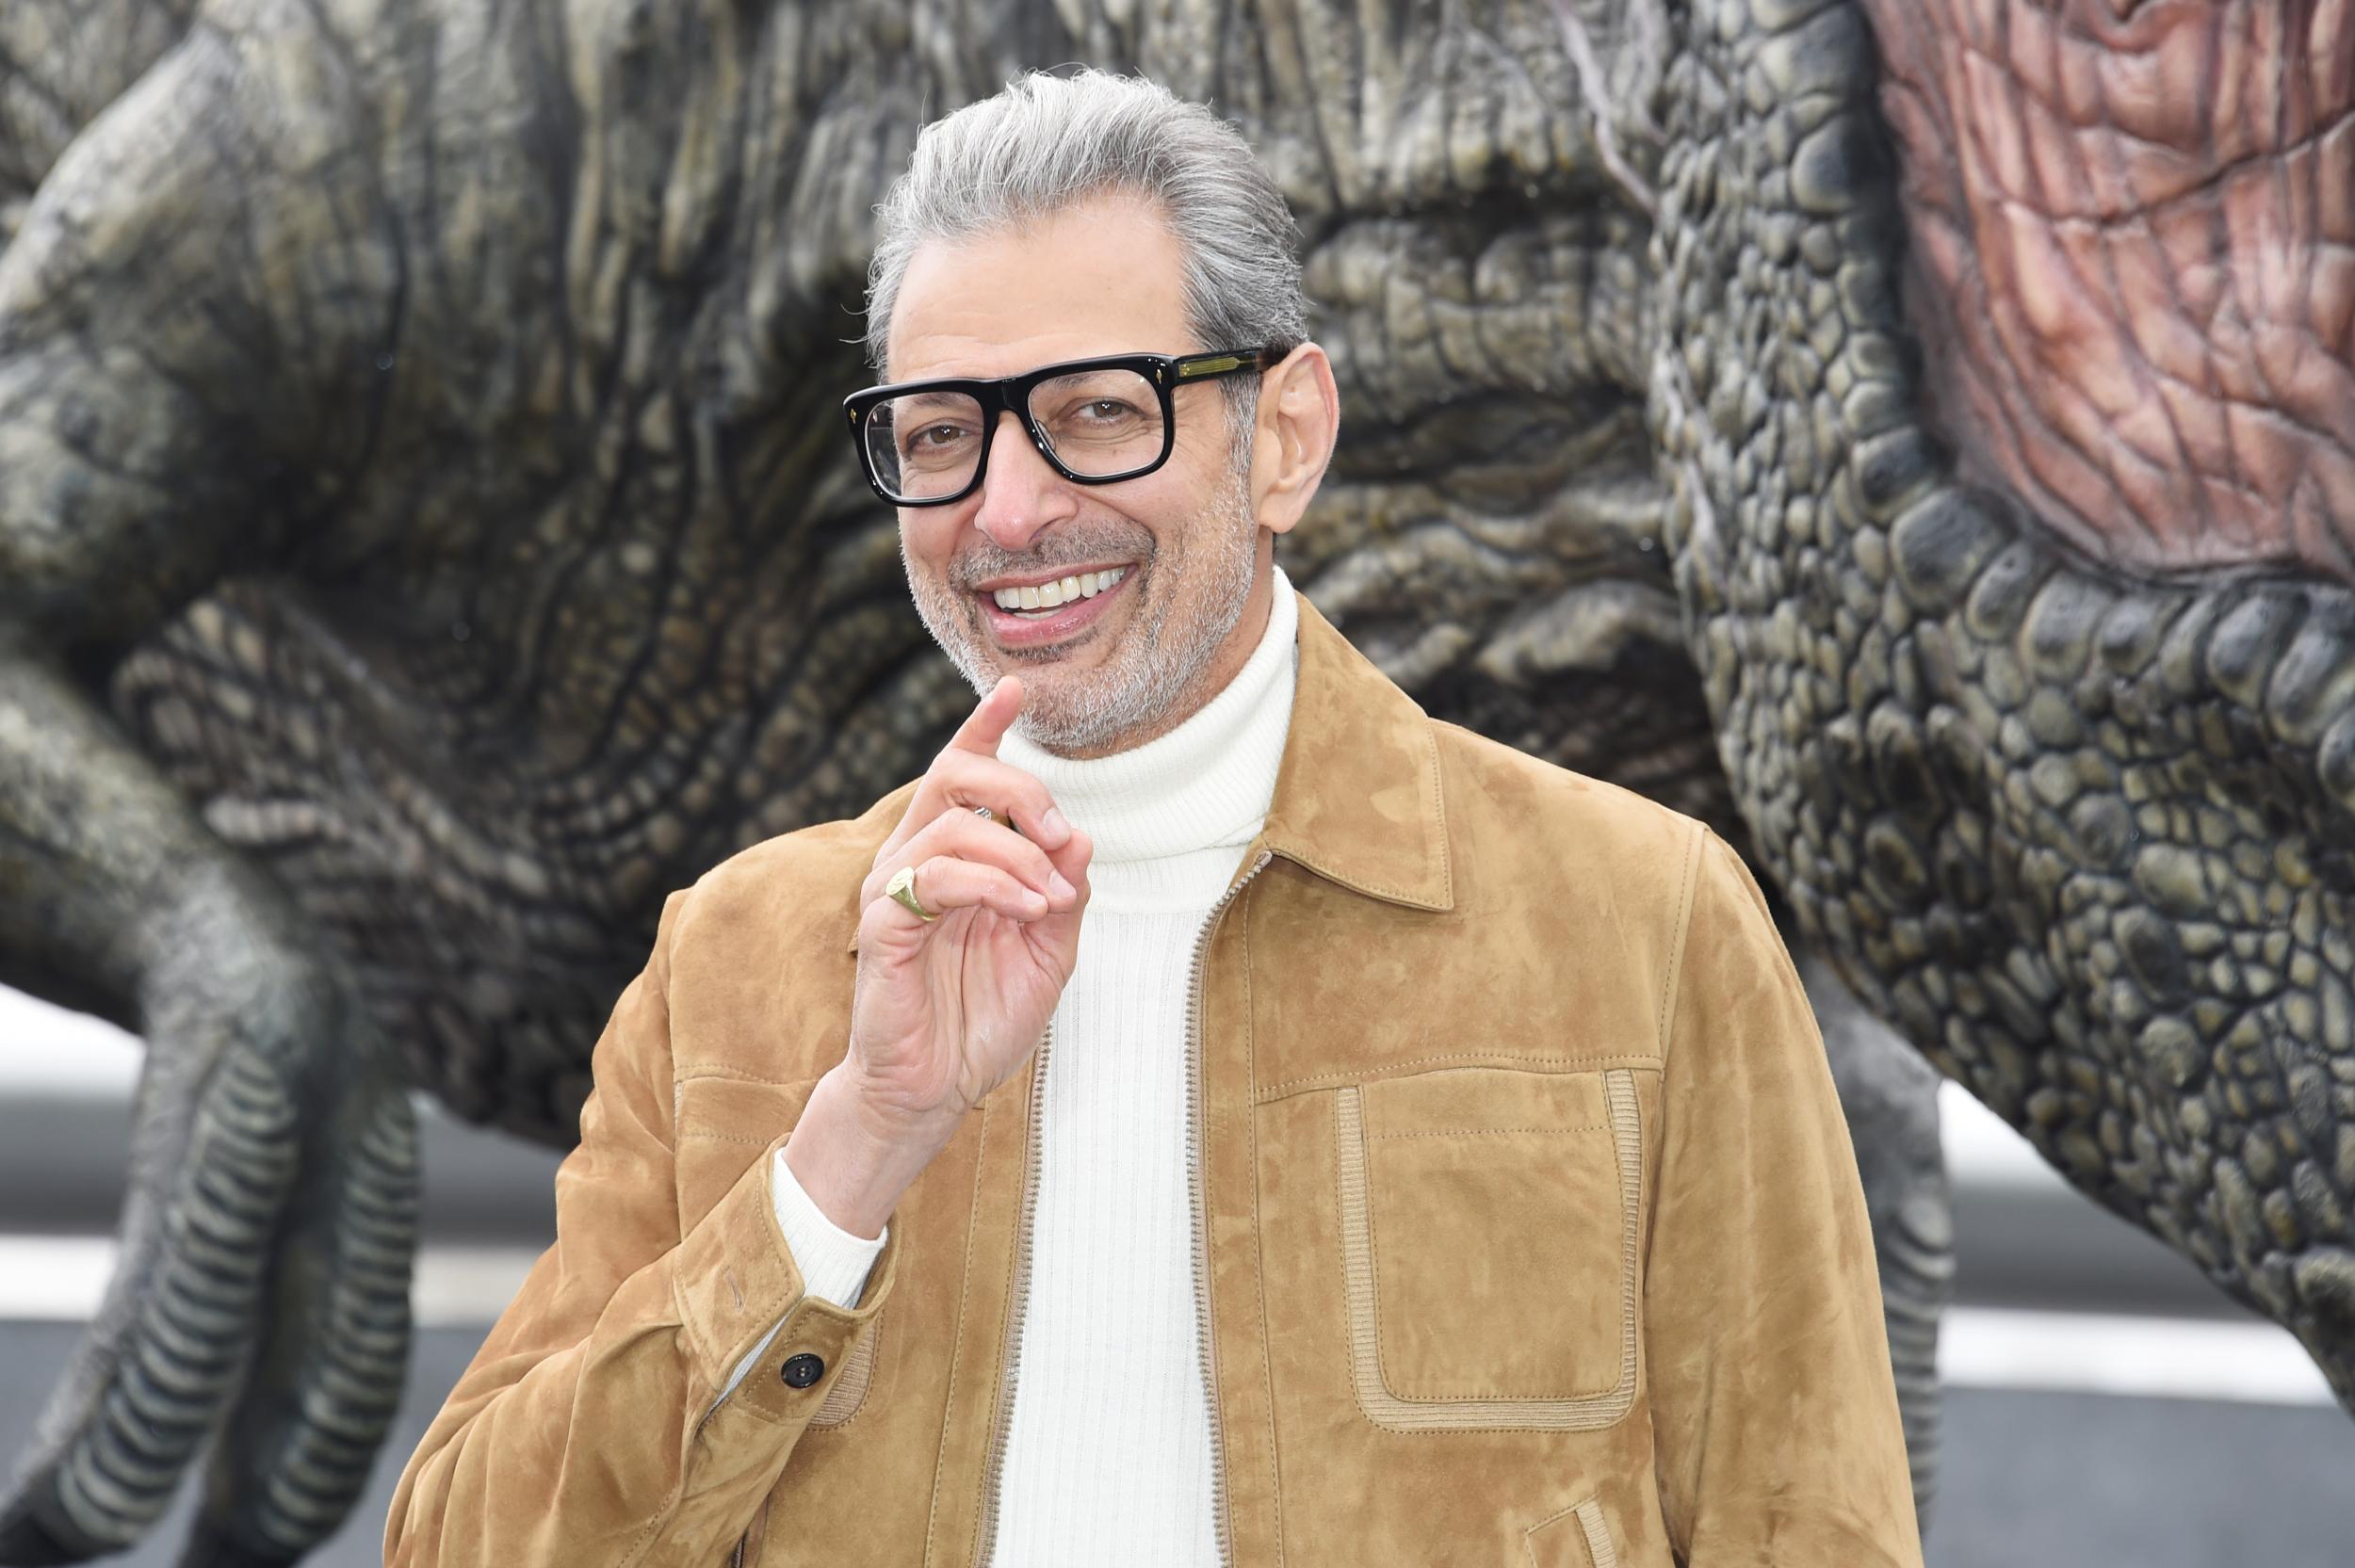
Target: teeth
x: 1048, y: 595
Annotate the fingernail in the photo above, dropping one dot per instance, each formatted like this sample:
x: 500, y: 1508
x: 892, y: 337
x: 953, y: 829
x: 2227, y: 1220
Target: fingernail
x: 1056, y: 828
x: 1059, y: 887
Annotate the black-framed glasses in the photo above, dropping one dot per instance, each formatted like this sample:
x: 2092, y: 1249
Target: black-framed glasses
x: 926, y: 443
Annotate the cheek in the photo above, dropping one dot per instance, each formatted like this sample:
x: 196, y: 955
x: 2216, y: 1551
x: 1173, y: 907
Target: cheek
x: 1169, y: 506
x: 1201, y: 457
x: 925, y: 541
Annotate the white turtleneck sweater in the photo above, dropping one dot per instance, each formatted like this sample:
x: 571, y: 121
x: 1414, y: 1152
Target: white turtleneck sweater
x: 1108, y: 1455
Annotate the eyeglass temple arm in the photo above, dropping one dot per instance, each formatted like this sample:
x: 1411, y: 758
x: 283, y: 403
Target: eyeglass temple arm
x: 1198, y: 367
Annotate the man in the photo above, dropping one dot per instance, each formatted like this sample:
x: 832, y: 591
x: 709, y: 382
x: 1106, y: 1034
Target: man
x: 1216, y: 1114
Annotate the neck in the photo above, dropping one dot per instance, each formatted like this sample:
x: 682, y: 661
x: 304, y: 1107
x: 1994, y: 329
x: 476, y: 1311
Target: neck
x: 1204, y: 783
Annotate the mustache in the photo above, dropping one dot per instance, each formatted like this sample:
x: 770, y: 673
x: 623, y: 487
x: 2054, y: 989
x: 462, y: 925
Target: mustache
x: 969, y: 569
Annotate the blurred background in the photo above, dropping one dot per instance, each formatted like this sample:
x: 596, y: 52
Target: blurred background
x: 2105, y: 1404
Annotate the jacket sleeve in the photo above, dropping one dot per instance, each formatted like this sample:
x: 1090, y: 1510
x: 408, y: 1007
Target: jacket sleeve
x: 833, y: 1262
x: 1776, y: 1425
x: 585, y: 1430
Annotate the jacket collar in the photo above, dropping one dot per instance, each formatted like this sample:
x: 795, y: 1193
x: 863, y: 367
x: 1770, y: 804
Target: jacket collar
x: 1358, y: 791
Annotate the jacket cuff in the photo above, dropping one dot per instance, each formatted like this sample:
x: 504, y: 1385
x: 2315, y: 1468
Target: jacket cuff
x: 737, y: 1288
x: 833, y: 1262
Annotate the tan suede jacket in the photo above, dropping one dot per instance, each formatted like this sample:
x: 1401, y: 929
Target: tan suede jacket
x: 1527, y: 1228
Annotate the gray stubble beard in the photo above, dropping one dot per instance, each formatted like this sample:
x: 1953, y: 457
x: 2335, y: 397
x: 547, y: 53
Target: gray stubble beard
x: 1157, y: 665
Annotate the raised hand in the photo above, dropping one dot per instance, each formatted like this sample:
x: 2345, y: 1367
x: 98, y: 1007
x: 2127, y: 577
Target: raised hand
x: 946, y: 1009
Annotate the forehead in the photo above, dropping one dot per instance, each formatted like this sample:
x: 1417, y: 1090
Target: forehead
x: 1104, y: 277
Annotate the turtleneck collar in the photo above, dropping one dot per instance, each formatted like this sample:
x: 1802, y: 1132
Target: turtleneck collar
x: 1203, y: 786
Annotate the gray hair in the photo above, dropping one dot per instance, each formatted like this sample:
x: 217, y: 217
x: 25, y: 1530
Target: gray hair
x: 1047, y: 143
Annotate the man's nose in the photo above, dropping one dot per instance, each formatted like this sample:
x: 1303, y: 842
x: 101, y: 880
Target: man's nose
x: 1020, y: 494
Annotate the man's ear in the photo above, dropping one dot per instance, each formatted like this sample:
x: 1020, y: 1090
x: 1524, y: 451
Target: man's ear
x: 1299, y: 419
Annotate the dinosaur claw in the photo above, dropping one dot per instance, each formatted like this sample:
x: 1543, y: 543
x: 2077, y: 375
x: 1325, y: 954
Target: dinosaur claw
x: 32, y: 1532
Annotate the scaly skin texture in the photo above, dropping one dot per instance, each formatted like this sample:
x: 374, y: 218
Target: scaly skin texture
x: 2083, y: 836
x: 425, y: 539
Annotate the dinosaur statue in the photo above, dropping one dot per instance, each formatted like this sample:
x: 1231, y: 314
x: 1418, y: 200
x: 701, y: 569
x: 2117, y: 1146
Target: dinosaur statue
x: 423, y: 541
x: 2002, y: 374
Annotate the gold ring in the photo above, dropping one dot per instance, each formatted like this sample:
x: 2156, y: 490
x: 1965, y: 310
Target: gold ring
x: 902, y: 887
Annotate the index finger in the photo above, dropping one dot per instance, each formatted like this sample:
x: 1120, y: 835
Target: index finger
x: 987, y: 724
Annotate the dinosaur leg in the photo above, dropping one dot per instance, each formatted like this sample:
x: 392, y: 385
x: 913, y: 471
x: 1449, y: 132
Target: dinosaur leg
x: 1890, y: 1098
x: 312, y: 1411
x: 272, y: 1168
x: 156, y: 436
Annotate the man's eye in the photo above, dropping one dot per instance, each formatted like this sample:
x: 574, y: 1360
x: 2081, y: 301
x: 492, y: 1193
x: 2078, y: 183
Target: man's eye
x: 1106, y: 410
x: 932, y: 438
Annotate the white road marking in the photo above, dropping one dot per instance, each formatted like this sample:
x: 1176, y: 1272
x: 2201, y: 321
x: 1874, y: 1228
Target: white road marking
x: 1985, y: 1151
x: 2089, y: 1352
x: 60, y: 1279
x: 47, y: 1049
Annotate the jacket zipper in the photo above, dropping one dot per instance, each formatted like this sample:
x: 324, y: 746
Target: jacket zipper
x: 1021, y: 1289
x: 1202, y: 1206
x: 1199, y: 1190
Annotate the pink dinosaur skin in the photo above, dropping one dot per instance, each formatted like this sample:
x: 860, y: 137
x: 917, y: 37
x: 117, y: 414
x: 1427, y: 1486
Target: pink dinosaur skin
x: 2132, y: 234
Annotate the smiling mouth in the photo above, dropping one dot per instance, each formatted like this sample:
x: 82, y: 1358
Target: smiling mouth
x: 1051, y: 612
x: 1036, y: 600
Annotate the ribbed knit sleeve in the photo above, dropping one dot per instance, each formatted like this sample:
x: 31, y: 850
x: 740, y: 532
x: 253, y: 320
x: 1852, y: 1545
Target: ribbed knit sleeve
x: 834, y: 1262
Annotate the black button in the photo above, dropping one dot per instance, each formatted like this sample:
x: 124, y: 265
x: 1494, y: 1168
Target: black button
x: 802, y: 1370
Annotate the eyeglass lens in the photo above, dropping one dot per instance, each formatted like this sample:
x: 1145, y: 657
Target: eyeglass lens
x: 1100, y: 424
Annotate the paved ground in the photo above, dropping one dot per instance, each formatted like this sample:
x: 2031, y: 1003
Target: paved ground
x: 2032, y: 1481
x: 2082, y: 1480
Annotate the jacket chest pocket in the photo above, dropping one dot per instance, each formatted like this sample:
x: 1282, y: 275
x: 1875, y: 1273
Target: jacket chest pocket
x: 1490, y: 1223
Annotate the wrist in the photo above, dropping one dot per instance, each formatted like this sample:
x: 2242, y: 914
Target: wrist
x: 852, y: 1164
